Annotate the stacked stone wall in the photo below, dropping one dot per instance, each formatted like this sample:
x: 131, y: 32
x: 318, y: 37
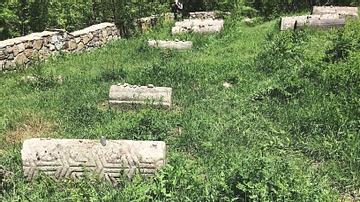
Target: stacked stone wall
x: 207, y: 14
x: 22, y: 50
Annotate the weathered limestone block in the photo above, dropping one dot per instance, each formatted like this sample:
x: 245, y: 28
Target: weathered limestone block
x: 55, y: 39
x: 44, y: 52
x: 85, y: 39
x: 206, y: 14
x: 10, y: 56
x: 208, y: 22
x: 21, y: 59
x: 342, y: 11
x: 46, y: 41
x: 66, y: 158
x: 108, y: 30
x: 9, y: 65
x: 289, y: 22
x: 21, y: 47
x: 28, y: 44
x: 104, y: 33
x: 59, y: 46
x: 38, y: 44
x: 71, y: 45
x: 197, y: 29
x: 9, y: 50
x: 80, y: 46
x: 140, y: 95
x: 180, y: 45
x: 77, y: 40
x: 322, y: 23
x: 52, y: 47
x: 28, y: 52
x: 15, y: 50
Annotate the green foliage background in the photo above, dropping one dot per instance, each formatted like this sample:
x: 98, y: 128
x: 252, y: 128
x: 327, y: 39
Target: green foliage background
x: 19, y: 18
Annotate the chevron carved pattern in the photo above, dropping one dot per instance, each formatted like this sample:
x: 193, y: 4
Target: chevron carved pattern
x: 68, y: 158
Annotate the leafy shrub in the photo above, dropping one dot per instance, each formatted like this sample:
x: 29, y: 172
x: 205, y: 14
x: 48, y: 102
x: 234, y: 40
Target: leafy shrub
x: 266, y: 179
x: 346, y: 42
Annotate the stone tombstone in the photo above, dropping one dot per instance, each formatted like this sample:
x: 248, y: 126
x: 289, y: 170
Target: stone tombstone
x: 128, y: 95
x: 289, y: 22
x: 198, y: 26
x: 71, y: 158
x: 167, y: 44
x: 201, y: 29
x: 342, y: 11
x: 207, y: 22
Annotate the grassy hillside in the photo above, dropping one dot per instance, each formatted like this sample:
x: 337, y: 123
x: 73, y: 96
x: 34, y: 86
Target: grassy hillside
x: 286, y: 128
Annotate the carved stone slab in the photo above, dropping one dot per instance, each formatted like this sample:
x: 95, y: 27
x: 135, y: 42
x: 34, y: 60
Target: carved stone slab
x: 342, y: 11
x: 166, y: 44
x: 197, y: 29
x: 289, y: 22
x: 322, y: 23
x: 68, y: 158
x: 208, y: 22
x: 132, y: 94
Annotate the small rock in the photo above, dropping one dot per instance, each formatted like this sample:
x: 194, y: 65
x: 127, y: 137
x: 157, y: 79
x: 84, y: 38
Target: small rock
x: 247, y: 20
x: 28, y: 78
x: 60, y: 79
x: 226, y: 84
x: 103, y: 141
x: 119, y: 84
x: 150, y: 86
x: 167, y: 39
x: 4, y: 173
x: 176, y: 40
x: 184, y: 40
x: 125, y: 84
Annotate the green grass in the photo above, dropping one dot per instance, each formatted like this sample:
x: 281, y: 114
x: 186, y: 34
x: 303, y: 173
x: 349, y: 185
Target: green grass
x: 286, y: 130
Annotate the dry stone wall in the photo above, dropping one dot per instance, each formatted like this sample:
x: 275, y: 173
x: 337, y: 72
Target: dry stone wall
x: 21, y: 50
x: 206, y: 15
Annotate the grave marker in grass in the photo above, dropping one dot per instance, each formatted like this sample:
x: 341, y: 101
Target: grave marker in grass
x: 341, y: 11
x: 72, y: 158
x: 166, y: 44
x: 289, y: 22
x: 129, y: 95
x: 192, y: 23
x: 321, y: 23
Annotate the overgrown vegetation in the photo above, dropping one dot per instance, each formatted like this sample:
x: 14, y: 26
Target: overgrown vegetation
x: 19, y: 18
x: 286, y: 129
